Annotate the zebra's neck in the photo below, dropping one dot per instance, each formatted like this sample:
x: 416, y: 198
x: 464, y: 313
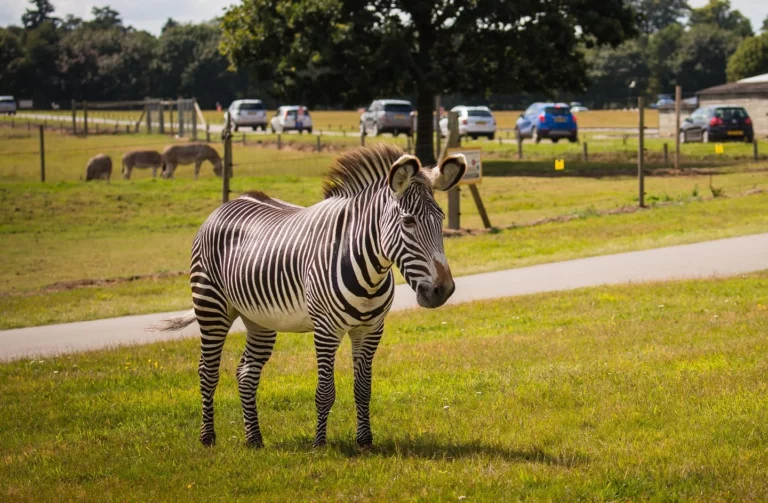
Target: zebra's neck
x: 365, y: 213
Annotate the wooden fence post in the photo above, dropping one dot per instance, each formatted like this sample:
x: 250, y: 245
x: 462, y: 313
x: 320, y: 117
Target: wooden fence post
x: 227, y: 135
x: 640, y: 151
x: 454, y: 198
x: 85, y: 118
x: 585, y: 152
x: 519, y: 148
x: 754, y: 149
x: 318, y: 144
x: 74, y: 117
x: 666, y: 154
x: 678, y: 99
x: 279, y: 141
x: 42, y: 154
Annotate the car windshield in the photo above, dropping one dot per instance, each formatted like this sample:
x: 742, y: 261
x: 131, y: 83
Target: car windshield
x: 398, y: 108
x: 251, y: 106
x: 731, y: 113
x: 557, y: 111
x: 479, y: 113
x: 6, y: 100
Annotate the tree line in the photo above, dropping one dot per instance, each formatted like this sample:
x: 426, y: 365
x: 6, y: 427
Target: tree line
x: 52, y: 60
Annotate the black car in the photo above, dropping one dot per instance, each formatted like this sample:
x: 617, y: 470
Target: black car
x: 717, y: 123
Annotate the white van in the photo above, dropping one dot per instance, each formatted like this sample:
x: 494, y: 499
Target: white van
x: 7, y: 105
x: 248, y: 113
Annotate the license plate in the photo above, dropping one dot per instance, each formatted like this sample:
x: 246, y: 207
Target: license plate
x: 735, y: 133
x: 560, y: 119
x: 399, y: 117
x: 480, y: 123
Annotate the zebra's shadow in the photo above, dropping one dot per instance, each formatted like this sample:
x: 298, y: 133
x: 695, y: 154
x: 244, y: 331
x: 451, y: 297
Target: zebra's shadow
x: 433, y: 448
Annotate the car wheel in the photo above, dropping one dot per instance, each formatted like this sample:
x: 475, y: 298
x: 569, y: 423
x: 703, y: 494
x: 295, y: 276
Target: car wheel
x: 473, y: 136
x: 518, y: 136
x: 309, y: 131
x: 705, y: 136
x: 375, y: 130
x: 555, y: 140
x: 573, y: 139
x: 535, y: 135
x: 273, y: 129
x: 682, y: 136
x: 255, y: 128
x: 362, y: 129
x: 492, y: 136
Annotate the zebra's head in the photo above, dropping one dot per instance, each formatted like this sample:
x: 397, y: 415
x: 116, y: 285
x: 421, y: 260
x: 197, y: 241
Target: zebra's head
x: 412, y: 227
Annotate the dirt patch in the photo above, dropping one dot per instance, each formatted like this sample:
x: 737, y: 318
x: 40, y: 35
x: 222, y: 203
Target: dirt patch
x: 64, y: 286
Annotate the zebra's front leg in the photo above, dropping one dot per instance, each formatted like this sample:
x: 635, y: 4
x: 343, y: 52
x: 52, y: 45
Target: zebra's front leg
x: 365, y: 341
x: 197, y: 168
x: 258, y: 348
x: 326, y: 345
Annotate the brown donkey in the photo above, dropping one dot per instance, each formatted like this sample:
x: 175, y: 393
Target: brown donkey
x: 189, y: 153
x: 141, y: 159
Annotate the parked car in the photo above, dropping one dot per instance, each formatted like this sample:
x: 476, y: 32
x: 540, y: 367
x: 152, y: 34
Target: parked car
x: 577, y: 107
x: 473, y: 122
x: 387, y: 116
x: 547, y: 120
x: 665, y: 103
x: 291, y: 118
x: 248, y: 113
x: 7, y: 105
x: 717, y: 122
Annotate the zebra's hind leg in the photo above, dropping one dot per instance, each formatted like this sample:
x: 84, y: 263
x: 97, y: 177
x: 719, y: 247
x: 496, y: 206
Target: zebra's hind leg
x: 365, y: 341
x: 258, y: 348
x: 326, y: 344
x: 215, y: 319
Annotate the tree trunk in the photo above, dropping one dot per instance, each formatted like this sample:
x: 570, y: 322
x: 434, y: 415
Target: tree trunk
x: 425, y: 106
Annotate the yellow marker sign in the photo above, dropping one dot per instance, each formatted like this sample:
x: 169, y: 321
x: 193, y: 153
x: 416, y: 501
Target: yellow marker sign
x: 719, y: 148
x: 559, y: 164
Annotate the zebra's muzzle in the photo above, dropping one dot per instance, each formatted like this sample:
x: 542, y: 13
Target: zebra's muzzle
x: 431, y: 295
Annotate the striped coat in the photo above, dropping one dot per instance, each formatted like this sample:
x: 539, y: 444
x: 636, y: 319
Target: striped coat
x: 325, y: 269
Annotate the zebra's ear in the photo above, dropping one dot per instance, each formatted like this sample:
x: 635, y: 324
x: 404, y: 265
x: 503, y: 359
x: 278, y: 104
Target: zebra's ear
x: 449, y: 173
x: 401, y: 172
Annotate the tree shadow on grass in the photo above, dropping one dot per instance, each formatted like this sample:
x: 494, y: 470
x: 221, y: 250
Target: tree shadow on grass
x: 575, y: 168
x: 433, y: 448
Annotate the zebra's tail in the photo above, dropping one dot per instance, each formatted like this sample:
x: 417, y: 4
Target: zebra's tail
x: 174, y: 324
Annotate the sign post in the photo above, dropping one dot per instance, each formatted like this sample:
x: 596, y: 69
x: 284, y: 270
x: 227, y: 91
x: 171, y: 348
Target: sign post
x: 472, y: 177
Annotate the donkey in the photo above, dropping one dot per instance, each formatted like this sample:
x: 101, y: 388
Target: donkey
x: 99, y: 167
x: 189, y: 153
x: 141, y: 159
x: 325, y: 269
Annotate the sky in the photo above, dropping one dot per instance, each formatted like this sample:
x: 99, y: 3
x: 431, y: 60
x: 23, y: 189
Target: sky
x: 150, y: 15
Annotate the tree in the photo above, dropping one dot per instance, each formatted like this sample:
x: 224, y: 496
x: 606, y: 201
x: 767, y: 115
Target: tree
x: 353, y: 50
x: 611, y: 72
x: 703, y: 56
x: 661, y: 53
x: 170, y: 23
x: 764, y: 28
x: 105, y: 18
x: 11, y: 59
x: 656, y: 15
x: 32, y: 18
x: 719, y: 13
x: 750, y: 58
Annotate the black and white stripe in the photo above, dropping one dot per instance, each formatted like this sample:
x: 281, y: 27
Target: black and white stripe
x: 325, y: 269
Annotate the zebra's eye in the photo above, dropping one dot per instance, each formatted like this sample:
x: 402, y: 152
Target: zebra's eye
x: 409, y: 221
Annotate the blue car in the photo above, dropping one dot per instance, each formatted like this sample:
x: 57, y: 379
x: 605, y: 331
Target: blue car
x: 547, y: 120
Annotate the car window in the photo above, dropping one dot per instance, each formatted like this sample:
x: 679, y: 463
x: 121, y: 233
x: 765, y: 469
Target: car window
x: 557, y: 111
x: 531, y: 109
x: 291, y: 114
x: 479, y: 113
x: 6, y: 100
x: 731, y: 113
x: 251, y: 106
x: 305, y: 112
x: 402, y: 108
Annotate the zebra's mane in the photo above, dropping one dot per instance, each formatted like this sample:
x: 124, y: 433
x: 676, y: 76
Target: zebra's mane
x: 359, y: 168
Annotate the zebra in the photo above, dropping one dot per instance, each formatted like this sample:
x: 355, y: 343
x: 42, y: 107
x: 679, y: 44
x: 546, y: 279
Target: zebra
x: 325, y: 269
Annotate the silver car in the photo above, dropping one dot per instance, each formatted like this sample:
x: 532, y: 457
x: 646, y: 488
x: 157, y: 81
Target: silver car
x: 248, y: 113
x: 388, y: 116
x: 7, y: 105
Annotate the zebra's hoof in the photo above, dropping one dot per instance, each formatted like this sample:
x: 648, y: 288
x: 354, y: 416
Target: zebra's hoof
x: 365, y: 447
x: 208, y: 440
x: 319, y: 444
x: 255, y: 444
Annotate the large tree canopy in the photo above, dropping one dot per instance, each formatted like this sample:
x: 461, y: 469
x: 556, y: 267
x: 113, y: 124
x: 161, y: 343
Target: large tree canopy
x: 354, y: 50
x: 750, y: 58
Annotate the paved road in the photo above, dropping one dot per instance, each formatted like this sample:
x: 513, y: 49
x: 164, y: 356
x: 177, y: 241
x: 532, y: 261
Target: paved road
x: 724, y: 257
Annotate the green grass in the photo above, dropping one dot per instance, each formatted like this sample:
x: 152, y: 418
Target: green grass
x: 631, y: 393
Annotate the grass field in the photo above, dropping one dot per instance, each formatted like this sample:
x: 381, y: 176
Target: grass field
x: 644, y: 392
x: 68, y: 246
